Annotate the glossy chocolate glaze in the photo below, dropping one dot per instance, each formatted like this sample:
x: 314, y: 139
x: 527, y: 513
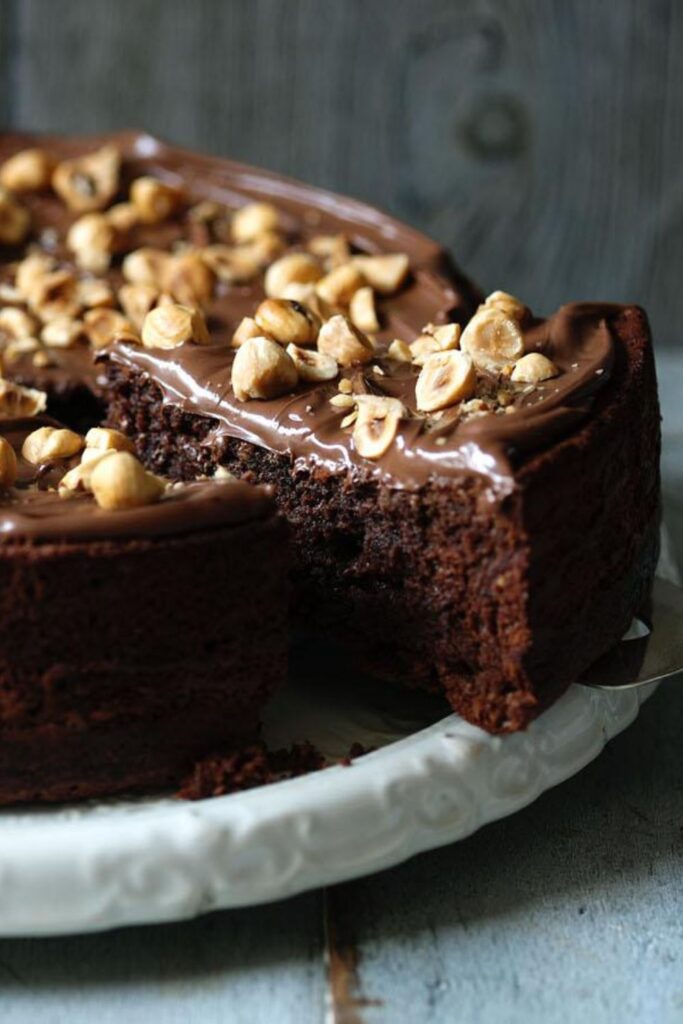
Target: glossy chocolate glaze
x: 304, y: 425
x: 33, y: 509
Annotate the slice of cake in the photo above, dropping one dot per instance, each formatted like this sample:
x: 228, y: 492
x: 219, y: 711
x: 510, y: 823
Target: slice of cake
x: 142, y: 626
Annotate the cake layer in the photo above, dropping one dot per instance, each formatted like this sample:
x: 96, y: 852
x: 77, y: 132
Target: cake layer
x: 132, y: 641
x: 498, y: 581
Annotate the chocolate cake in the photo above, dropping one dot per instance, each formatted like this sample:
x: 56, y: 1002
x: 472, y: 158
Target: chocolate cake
x: 473, y: 491
x: 138, y: 632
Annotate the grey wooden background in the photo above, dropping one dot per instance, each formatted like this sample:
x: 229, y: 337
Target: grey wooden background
x: 541, y: 140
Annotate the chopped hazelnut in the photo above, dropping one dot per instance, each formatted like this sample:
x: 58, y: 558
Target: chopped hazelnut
x: 88, y: 182
x: 136, y: 301
x: 29, y: 170
x: 446, y: 378
x: 55, y: 294
x: 15, y: 219
x: 287, y: 322
x: 333, y: 250
x: 145, y: 266
x: 91, y: 238
x: 344, y: 342
x: 247, y: 328
x: 230, y: 264
x: 423, y: 346
x: 262, y: 369
x: 62, y: 332
x: 533, y: 368
x: 172, y: 325
x: 30, y: 270
x: 294, y: 268
x: 384, y: 273
x: 312, y: 365
x: 507, y: 304
x: 376, y: 425
x: 400, y: 350
x: 340, y: 285
x: 101, y: 326
x: 16, y: 400
x: 492, y: 339
x: 188, y: 279
x: 47, y: 444
x: 253, y: 220
x: 16, y: 323
x: 154, y: 200
x: 123, y: 217
x: 8, y: 464
x: 362, y: 310
x: 264, y: 249
x: 120, y: 481
x: 447, y: 335
x: 94, y: 294
x: 15, y: 350
x: 106, y: 438
x: 303, y: 293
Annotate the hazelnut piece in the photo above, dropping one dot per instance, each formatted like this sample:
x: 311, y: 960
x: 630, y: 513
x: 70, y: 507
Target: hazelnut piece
x: 340, y: 285
x: 287, y: 321
x: 507, y: 304
x: 154, y: 200
x: 101, y: 326
x: 104, y: 438
x: 120, y: 481
x: 253, y: 220
x: 343, y: 341
x: 294, y: 268
x: 16, y: 400
x: 8, y: 463
x: 171, y: 325
x: 188, y: 279
x: 492, y: 339
x: 445, y: 378
x: 362, y: 310
x: 145, y: 266
x: 88, y: 182
x: 47, y: 444
x: 262, y: 369
x: 29, y: 170
x: 384, y: 273
x: 312, y: 365
x: 533, y: 368
x: 15, y: 219
x: 376, y: 424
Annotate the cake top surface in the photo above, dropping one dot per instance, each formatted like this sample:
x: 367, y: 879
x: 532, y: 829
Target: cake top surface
x: 47, y: 499
x: 298, y: 320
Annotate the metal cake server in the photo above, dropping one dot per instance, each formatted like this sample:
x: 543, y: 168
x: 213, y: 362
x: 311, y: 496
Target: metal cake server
x: 645, y: 655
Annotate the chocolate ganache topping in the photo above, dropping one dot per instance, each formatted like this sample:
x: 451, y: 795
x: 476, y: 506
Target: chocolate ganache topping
x: 488, y: 434
x: 33, y: 509
x: 305, y: 426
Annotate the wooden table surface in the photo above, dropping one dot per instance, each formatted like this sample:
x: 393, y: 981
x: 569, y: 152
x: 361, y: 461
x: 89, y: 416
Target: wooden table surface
x: 571, y: 910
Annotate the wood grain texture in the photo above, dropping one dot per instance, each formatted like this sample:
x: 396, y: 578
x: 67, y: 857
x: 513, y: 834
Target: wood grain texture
x: 541, y: 140
x: 258, y: 966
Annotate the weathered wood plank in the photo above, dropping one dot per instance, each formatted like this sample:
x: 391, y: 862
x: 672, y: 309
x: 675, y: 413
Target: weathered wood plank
x: 569, y: 911
x: 254, y: 966
x: 541, y: 140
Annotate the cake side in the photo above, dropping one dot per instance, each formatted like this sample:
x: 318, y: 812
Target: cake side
x: 442, y: 587
x: 143, y: 625
x: 591, y: 508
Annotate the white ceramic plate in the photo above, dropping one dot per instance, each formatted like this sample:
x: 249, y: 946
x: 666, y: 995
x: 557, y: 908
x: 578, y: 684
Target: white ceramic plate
x: 434, y: 779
